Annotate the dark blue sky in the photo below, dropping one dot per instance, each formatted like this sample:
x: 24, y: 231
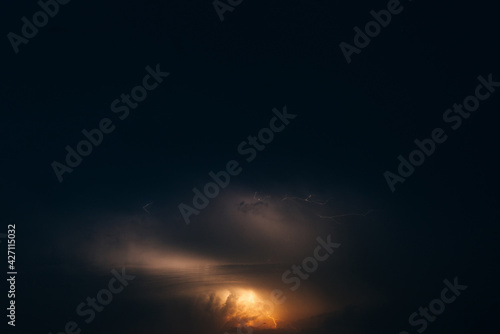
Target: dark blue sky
x: 353, y: 122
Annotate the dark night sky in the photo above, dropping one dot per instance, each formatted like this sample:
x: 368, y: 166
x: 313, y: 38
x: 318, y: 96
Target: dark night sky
x: 353, y: 121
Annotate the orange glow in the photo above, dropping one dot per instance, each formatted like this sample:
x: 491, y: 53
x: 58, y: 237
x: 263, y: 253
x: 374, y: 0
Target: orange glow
x: 274, y: 320
x: 245, y: 308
